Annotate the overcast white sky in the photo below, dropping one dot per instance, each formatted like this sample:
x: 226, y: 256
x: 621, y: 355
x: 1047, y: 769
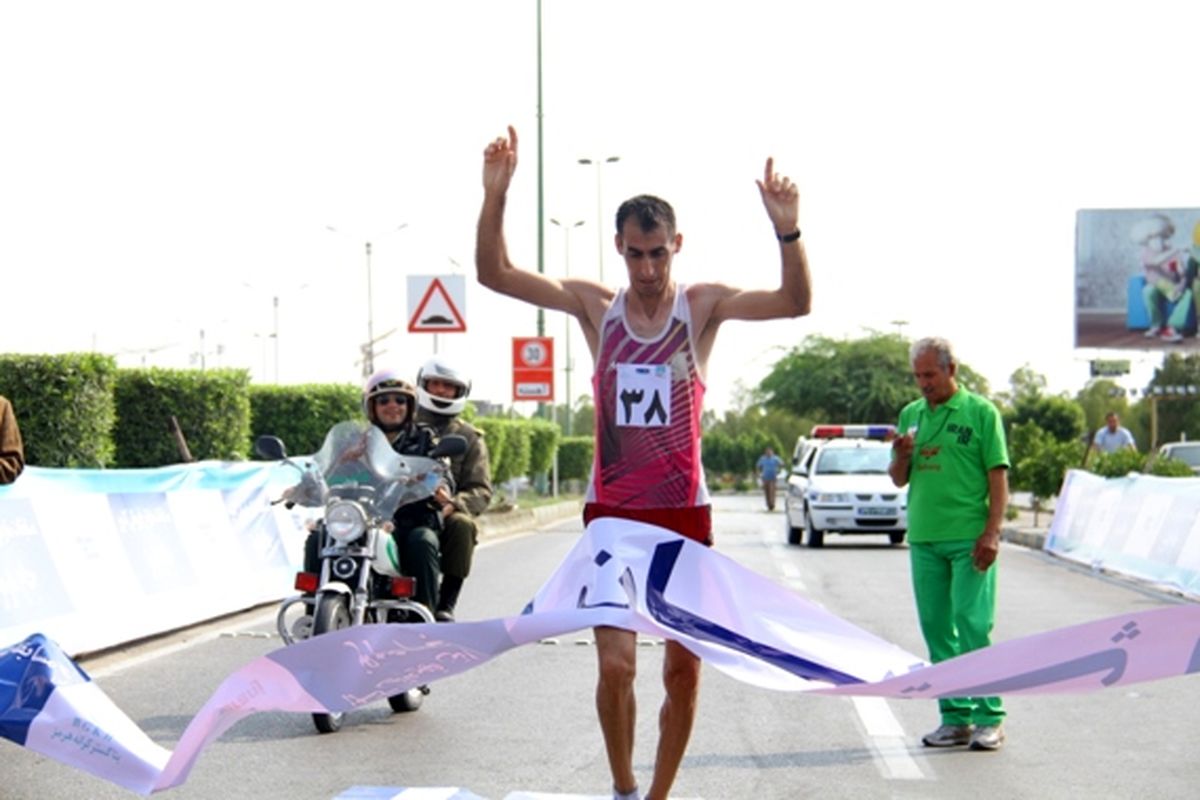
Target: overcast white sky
x: 170, y: 167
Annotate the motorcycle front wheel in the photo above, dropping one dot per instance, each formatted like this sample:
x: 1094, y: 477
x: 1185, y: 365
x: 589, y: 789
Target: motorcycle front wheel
x: 408, y: 701
x: 332, y: 614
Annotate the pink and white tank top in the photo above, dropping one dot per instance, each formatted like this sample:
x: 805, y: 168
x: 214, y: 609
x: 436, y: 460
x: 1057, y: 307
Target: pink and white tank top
x: 648, y: 398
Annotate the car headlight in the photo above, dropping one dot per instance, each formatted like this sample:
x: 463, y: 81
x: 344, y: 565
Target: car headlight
x: 345, y: 521
x: 829, y: 497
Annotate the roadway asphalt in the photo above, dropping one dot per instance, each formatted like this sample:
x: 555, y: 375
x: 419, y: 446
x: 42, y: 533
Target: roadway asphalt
x: 1027, y: 528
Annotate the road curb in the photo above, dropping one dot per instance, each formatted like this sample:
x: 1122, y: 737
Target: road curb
x: 495, y: 524
x: 1033, y: 538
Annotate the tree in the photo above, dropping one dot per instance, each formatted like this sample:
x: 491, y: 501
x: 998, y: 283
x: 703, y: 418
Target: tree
x: 1058, y: 416
x: 849, y: 380
x: 1024, y: 384
x: 1174, y: 399
x: 1039, y: 462
x: 583, y: 416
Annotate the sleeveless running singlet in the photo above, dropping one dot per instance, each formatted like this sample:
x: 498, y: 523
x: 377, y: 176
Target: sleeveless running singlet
x: 648, y: 398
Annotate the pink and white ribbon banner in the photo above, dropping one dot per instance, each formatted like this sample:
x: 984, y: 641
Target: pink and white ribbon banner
x: 621, y: 574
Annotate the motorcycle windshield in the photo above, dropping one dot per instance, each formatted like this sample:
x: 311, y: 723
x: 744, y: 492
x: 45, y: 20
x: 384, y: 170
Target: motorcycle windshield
x: 356, y: 454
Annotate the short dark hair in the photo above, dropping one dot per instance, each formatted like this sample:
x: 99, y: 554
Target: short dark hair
x: 650, y: 212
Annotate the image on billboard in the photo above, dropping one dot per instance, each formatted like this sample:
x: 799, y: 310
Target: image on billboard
x: 1137, y: 278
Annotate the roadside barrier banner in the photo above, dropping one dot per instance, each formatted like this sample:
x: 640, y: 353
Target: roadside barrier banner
x: 95, y: 558
x: 1142, y: 526
x: 622, y: 574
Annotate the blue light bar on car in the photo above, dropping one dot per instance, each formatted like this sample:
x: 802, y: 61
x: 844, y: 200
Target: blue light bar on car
x: 853, y: 431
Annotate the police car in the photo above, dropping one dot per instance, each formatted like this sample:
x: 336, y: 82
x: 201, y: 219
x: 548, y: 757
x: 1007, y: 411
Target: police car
x: 839, y: 483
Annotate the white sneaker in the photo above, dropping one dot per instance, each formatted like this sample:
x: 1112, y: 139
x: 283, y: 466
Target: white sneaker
x: 1169, y: 334
x: 1152, y: 332
x: 987, y: 737
x: 948, y: 736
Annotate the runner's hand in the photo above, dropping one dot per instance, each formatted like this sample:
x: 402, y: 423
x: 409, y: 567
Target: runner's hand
x: 499, y: 162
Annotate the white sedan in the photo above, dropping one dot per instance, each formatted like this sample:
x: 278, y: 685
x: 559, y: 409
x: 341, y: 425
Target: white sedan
x: 842, y: 485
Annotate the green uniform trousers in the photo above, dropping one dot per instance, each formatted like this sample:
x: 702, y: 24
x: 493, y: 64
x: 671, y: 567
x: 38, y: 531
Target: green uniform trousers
x: 956, y: 604
x: 458, y: 538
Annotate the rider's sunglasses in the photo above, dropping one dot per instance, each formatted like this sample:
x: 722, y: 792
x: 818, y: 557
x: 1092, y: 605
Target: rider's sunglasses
x: 388, y: 399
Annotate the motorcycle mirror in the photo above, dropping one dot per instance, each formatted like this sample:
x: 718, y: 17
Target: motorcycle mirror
x: 450, y: 445
x: 270, y: 447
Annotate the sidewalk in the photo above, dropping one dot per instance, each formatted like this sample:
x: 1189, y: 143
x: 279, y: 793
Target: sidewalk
x: 1023, y: 532
x: 498, y: 524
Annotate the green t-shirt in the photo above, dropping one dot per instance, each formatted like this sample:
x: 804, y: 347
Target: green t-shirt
x: 954, y: 448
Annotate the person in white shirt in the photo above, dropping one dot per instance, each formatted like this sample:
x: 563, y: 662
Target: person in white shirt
x: 1113, y: 437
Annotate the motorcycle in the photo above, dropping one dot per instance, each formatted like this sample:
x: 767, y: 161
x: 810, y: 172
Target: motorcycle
x: 360, y: 481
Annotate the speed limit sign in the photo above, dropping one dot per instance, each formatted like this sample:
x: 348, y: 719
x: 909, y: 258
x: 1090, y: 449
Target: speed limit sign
x: 533, y: 368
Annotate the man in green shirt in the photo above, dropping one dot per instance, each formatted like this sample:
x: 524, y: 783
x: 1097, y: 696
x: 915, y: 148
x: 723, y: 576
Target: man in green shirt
x: 951, y: 453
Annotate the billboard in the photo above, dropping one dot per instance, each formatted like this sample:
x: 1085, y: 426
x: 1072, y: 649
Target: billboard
x: 1137, y: 278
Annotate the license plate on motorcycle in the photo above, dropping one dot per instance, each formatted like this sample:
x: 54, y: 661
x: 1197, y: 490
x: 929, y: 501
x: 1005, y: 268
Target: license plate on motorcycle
x: 877, y: 511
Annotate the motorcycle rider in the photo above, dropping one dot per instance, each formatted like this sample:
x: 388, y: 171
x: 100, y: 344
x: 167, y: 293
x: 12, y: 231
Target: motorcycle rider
x: 389, y: 403
x: 442, y: 393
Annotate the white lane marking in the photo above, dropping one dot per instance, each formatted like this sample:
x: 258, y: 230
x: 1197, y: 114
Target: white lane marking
x: 779, y: 550
x: 886, y: 738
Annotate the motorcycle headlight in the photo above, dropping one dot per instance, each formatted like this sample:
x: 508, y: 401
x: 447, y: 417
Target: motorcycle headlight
x: 345, y: 521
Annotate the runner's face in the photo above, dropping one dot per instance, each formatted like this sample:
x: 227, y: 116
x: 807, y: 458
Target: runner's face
x: 648, y: 257
x: 935, y: 381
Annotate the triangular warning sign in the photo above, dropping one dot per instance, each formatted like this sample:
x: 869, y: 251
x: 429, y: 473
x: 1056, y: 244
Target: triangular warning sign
x: 436, y: 312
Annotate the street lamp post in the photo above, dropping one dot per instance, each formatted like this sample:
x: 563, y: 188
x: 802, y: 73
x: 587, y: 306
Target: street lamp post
x: 274, y: 334
x: 600, y: 204
x: 369, y: 347
x: 566, y: 229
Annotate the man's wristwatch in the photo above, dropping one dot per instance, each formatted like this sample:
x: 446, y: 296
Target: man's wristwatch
x: 788, y: 237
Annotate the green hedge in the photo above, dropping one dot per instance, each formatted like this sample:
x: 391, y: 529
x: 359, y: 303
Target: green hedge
x: 510, y: 446
x: 212, y: 408
x: 302, y: 415
x: 64, y: 407
x: 575, y: 454
x: 543, y: 440
x: 1123, y: 462
x: 81, y: 410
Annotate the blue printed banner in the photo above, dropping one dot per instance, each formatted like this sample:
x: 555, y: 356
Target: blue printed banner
x: 157, y: 540
x: 1140, y: 525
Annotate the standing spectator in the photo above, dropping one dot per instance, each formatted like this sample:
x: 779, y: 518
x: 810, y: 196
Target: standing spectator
x: 953, y: 456
x: 768, y: 465
x: 1113, y: 437
x: 650, y: 344
x: 12, y: 451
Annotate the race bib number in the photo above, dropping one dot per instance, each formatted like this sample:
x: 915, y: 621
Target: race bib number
x: 643, y: 395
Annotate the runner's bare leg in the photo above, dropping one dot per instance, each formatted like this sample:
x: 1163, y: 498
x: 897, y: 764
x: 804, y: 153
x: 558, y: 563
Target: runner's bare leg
x: 616, y: 705
x: 681, y: 679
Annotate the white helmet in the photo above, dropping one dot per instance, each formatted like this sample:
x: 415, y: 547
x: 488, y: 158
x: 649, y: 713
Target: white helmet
x: 440, y: 370
x: 388, y: 381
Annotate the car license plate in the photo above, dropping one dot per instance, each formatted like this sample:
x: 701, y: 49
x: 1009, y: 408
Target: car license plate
x: 877, y: 511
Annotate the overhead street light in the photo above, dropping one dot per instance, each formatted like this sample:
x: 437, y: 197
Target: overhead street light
x: 274, y: 335
x: 567, y: 368
x: 369, y: 348
x: 600, y: 205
